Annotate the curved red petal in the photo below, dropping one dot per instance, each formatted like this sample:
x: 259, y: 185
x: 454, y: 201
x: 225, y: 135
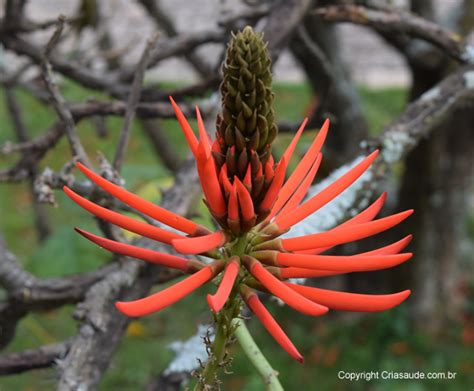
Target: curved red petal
x: 212, y: 189
x: 393, y: 248
x: 299, y: 194
x: 166, y: 297
x: 187, y: 130
x: 128, y: 223
x: 343, y: 263
x: 245, y: 200
x: 345, y: 234
x: 299, y: 272
x: 291, y: 147
x: 248, y: 178
x: 345, y: 301
x: 273, y: 191
x: 128, y: 250
x: 150, y: 209
x: 273, y: 327
x: 280, y: 290
x: 224, y: 179
x: 199, y: 244
x: 368, y: 214
x: 217, y: 301
x: 289, y: 219
x: 233, y: 204
x: 301, y: 170
x: 203, y: 136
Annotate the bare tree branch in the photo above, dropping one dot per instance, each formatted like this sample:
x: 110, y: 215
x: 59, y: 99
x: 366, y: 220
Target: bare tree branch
x: 132, y: 103
x: 41, y: 218
x: 422, y: 115
x: 58, y: 101
x: 283, y: 18
x: 400, y: 22
x: 166, y: 23
x: 42, y: 357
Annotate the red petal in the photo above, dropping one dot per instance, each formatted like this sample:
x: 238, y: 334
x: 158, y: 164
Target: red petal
x: 248, y: 178
x: 167, y: 296
x: 289, y: 219
x: 128, y: 223
x: 187, y: 130
x: 150, y: 209
x: 347, y: 263
x: 280, y: 290
x: 344, y: 235
x: 224, y: 179
x: 345, y: 301
x: 301, y: 170
x: 233, y: 205
x: 271, y: 161
x: 299, y: 194
x: 203, y: 136
x: 365, y: 216
x: 217, y: 301
x: 216, y: 147
x: 212, y: 189
x: 245, y: 201
x: 269, y: 173
x: 128, y: 250
x: 299, y: 272
x: 296, y: 272
x: 199, y: 244
x: 393, y: 248
x: 291, y: 147
x: 272, y: 326
x: 275, y: 187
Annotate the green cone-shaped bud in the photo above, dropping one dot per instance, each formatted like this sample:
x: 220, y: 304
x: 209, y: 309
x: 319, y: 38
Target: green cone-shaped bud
x: 247, y: 117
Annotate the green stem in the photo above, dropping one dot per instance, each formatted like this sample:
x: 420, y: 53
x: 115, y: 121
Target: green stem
x: 268, y: 374
x: 223, y: 336
x: 209, y: 373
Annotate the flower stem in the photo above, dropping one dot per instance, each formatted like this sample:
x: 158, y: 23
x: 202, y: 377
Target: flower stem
x: 225, y: 330
x: 256, y: 357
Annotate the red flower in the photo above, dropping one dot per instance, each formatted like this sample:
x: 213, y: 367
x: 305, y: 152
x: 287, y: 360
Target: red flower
x: 253, y: 209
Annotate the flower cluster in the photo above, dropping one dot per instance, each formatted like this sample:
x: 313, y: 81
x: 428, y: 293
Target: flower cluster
x: 247, y: 194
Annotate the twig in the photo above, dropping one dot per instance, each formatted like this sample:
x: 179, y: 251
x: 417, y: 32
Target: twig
x: 164, y: 22
x: 132, y: 103
x: 41, y: 218
x: 178, y: 46
x: 57, y: 99
x: 256, y: 357
x: 82, y: 75
x: 12, y: 275
x: 42, y: 357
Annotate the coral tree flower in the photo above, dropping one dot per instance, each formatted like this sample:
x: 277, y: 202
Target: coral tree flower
x: 246, y: 192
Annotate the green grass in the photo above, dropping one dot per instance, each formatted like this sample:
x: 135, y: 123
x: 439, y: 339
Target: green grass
x: 377, y: 341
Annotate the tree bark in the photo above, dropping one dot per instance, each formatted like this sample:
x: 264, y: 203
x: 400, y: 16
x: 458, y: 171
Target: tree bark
x: 437, y: 180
